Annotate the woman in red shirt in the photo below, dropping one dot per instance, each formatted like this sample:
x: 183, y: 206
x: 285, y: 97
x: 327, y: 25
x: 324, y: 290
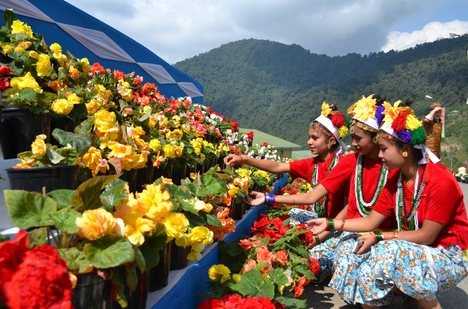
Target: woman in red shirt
x: 361, y: 172
x: 425, y: 255
x: 325, y: 134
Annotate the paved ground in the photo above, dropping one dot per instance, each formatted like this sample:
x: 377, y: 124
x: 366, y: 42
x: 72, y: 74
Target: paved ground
x: 325, y: 298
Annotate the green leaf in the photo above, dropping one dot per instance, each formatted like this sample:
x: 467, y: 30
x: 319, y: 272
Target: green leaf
x: 85, y: 128
x: 75, y: 259
x: 88, y: 194
x: 213, y: 221
x: 107, y: 253
x: 54, y: 157
x: 151, y: 249
x: 140, y: 260
x: 114, y: 194
x: 290, y: 302
x: 65, y: 219
x: 63, y: 197
x: 253, y: 284
x: 29, y: 209
x: 278, y: 277
x: 79, y: 142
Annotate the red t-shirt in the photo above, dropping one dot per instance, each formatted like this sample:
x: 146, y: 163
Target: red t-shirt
x: 344, y: 173
x: 441, y: 202
x: 304, y: 169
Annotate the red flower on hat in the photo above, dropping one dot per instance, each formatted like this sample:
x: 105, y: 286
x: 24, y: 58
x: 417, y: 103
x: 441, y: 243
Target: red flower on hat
x: 338, y: 119
x: 399, y: 123
x: 5, y: 70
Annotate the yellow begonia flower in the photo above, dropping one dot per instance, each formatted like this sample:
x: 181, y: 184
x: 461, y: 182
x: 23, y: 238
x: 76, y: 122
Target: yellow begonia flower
x: 232, y: 190
x: 413, y: 123
x: 243, y: 172
x: 124, y: 89
x: 197, y: 145
x: 43, y: 65
x: 156, y: 202
x: 175, y: 135
x: 119, y: 150
x: 182, y: 241
x: 18, y: 27
x: 200, y: 205
x: 33, y: 54
x: 57, y: 51
x: 105, y: 121
x: 7, y: 48
x: 22, y: 46
x: 261, y: 174
x: 201, y: 235
x: 155, y: 145
x: 96, y: 223
x: 92, y: 106
x: 219, y: 272
x: 93, y: 160
x: 39, y: 147
x: 176, y: 225
x: 136, y: 225
x: 62, y: 106
x: 326, y: 109
x: 26, y: 81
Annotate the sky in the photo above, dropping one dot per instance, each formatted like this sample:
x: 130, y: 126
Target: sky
x: 180, y: 29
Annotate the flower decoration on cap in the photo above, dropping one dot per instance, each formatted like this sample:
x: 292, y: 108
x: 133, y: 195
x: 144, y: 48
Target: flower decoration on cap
x: 333, y: 120
x: 401, y: 122
x: 368, y: 110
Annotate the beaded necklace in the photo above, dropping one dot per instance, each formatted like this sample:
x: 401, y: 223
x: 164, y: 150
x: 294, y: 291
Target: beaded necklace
x: 409, y: 222
x: 320, y: 207
x: 363, y: 206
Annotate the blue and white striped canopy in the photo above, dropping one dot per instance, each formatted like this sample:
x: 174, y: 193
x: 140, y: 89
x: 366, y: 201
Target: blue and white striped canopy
x: 86, y: 36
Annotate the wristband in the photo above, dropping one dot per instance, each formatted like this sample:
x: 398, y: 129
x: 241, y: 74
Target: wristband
x: 378, y: 235
x: 330, y: 224
x: 270, y: 198
x: 316, y: 239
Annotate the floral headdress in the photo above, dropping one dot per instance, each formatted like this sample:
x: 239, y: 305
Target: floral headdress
x: 401, y: 122
x: 367, y: 111
x: 333, y: 120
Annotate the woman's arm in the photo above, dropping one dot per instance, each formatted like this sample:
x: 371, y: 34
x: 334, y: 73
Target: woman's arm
x: 426, y: 235
x: 310, y: 197
x: 266, y: 165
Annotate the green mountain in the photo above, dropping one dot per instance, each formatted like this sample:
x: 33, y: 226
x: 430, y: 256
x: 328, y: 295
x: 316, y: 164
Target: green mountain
x: 279, y: 88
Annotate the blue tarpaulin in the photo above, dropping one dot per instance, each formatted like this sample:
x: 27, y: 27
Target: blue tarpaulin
x: 86, y: 36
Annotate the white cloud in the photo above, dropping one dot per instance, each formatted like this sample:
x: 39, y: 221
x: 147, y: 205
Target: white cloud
x: 177, y: 29
x: 429, y: 33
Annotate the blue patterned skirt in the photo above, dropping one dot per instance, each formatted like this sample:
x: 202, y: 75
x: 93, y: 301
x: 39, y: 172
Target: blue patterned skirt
x: 325, y: 252
x: 395, y: 266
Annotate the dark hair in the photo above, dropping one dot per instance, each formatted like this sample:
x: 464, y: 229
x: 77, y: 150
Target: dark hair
x: 408, y: 102
x: 417, y: 153
x: 379, y: 99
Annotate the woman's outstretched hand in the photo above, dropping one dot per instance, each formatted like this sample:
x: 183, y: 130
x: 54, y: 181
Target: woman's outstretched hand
x: 234, y: 160
x: 256, y: 198
x: 318, y: 225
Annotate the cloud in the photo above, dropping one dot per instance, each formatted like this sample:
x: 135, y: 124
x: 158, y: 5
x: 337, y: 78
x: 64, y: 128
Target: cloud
x: 177, y: 29
x: 429, y: 33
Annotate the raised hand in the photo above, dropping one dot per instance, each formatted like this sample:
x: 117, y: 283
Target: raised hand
x: 234, y: 160
x: 256, y: 198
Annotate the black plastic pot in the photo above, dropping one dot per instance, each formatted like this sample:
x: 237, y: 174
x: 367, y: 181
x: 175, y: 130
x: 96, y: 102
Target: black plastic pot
x: 18, y: 129
x: 158, y: 276
x: 92, y: 292
x: 137, y: 299
x: 52, y: 178
x: 179, y: 257
x: 237, y: 210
